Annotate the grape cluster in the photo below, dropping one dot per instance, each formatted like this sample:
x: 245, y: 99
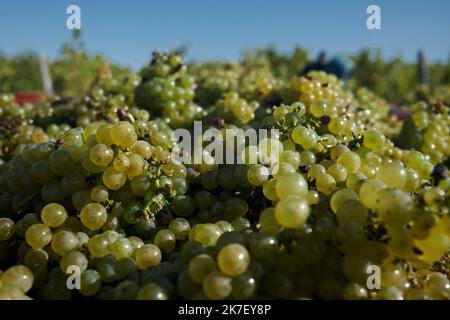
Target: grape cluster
x: 339, y: 191
x: 167, y: 90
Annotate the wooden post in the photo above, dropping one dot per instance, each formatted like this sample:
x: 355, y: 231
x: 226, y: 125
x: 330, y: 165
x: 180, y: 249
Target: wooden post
x: 46, y: 78
x: 422, y: 68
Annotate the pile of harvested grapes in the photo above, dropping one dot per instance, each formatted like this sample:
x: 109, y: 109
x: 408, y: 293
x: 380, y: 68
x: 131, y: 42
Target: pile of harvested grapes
x: 344, y: 199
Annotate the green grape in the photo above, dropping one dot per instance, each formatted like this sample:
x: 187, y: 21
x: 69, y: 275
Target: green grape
x: 350, y: 160
x: 355, y: 180
x: 233, y: 259
x: 351, y: 210
x: 257, y: 174
x: 325, y: 183
x: 140, y: 185
x: 38, y: 236
x: 234, y: 208
x: 90, y: 281
x: 369, y: 191
x: 73, y: 258
x: 121, y: 163
x: 151, y: 291
x: 148, y: 256
x: 72, y: 182
x: 354, y: 291
x: 268, y: 221
x: 101, y: 155
x: 165, y: 240
x: 269, y: 190
x: 240, y: 223
x: 200, y: 266
x: 99, y: 193
x: 64, y: 242
x: 217, y: 286
x: 315, y: 171
x: 243, y: 286
x: 126, y: 290
x: 207, y: 234
x: 183, y: 206
x: 98, y: 246
x: 291, y: 185
x: 393, y: 174
x: 123, y: 134
x: 93, y: 216
x: 340, y: 196
x: 337, y: 151
x: 136, y: 167
x: 312, y: 197
x: 225, y: 226
x: 103, y: 134
x: 6, y: 229
x: 373, y: 139
x: 180, y: 228
x: 305, y: 137
x: 113, y: 179
x: 292, y: 212
x: 18, y: 276
x: 53, y: 215
x: 338, y: 172
x: 121, y: 248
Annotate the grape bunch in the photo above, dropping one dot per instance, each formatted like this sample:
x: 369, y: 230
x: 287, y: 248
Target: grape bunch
x: 167, y: 90
x: 339, y: 188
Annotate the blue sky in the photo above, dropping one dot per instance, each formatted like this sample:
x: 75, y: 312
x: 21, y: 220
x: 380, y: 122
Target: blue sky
x: 127, y: 31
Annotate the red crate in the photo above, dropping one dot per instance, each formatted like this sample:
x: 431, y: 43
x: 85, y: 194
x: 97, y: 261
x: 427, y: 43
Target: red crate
x: 27, y: 97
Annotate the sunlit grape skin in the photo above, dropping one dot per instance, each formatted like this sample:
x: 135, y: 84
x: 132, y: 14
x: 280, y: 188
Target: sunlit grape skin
x: 93, y: 216
x: 233, y: 259
x: 292, y: 212
x: 54, y: 215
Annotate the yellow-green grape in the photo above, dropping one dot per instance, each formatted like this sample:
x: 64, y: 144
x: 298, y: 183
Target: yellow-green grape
x: 103, y: 134
x: 200, y: 266
x: 325, y: 183
x: 18, y: 276
x: 136, y: 167
x: 98, y: 245
x: 64, y: 242
x: 269, y: 190
x: 315, y: 171
x: 136, y: 243
x: 393, y: 174
x: 224, y: 225
x: 352, y: 210
x: 368, y: 193
x: 373, y: 139
x: 121, y: 248
x: 121, y: 163
x: 101, y: 155
x: 338, y: 172
x: 6, y: 229
x: 291, y: 157
x: 217, y: 286
x: 90, y: 281
x: 394, y: 206
x: 99, y: 193
x: 355, y: 180
x: 292, y: 212
x: 414, y: 159
x: 207, y: 234
x: 123, y: 134
x: 151, y: 291
x: 292, y: 184
x: 319, y: 108
x: 180, y: 227
x: 93, y: 216
x: 53, y: 215
x: 268, y: 221
x: 283, y: 168
x: 257, y: 174
x: 437, y: 286
x: 437, y: 242
x: 148, y: 256
x: 113, y: 179
x: 165, y: 240
x: 350, y: 160
x: 312, y: 197
x: 38, y: 236
x: 305, y: 137
x: 336, y: 125
x: 90, y: 129
x: 71, y: 260
x: 336, y: 151
x: 233, y: 259
x: 413, y: 180
x: 340, y: 196
x: 433, y: 195
x: 143, y: 148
